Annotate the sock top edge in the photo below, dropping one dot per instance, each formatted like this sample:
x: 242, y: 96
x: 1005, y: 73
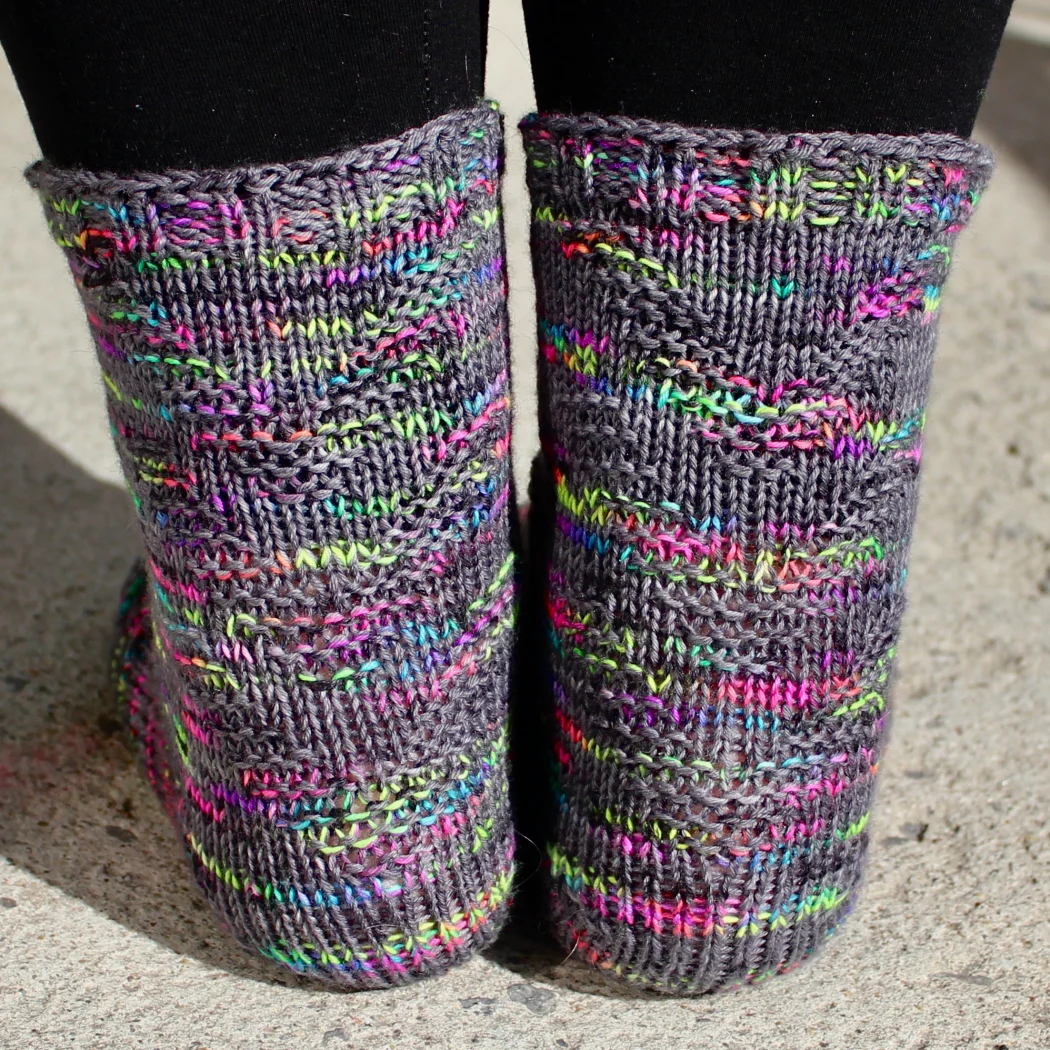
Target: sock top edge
x: 935, y: 146
x: 435, y: 138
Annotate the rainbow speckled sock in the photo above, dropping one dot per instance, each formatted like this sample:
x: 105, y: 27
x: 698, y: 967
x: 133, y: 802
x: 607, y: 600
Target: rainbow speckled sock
x: 736, y: 337
x: 306, y: 368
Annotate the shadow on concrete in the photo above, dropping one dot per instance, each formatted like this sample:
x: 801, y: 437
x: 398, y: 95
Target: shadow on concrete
x: 1016, y: 108
x: 527, y: 950
x: 74, y: 809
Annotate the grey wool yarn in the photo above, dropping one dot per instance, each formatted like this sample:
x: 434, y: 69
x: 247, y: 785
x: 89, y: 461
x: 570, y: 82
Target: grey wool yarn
x: 736, y: 334
x: 307, y: 379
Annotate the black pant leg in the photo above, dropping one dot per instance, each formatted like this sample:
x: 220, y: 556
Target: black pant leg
x: 142, y: 84
x: 900, y: 66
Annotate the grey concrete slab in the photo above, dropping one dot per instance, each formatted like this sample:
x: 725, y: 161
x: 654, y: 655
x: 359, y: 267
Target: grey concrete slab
x: 103, y: 941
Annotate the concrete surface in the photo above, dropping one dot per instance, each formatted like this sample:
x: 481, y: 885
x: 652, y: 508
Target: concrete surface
x: 103, y: 942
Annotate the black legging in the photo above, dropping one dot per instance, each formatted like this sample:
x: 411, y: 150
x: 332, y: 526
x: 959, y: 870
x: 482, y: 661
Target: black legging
x: 138, y: 84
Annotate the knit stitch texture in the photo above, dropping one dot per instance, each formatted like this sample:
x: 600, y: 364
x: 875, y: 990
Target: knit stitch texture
x: 306, y: 371
x: 736, y: 334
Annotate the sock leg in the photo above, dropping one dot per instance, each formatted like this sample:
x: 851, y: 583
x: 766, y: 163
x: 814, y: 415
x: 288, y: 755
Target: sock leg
x: 736, y: 335
x: 306, y: 368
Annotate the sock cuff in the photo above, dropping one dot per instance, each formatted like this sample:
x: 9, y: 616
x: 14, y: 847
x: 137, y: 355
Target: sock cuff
x: 411, y: 188
x: 777, y: 249
x: 642, y: 171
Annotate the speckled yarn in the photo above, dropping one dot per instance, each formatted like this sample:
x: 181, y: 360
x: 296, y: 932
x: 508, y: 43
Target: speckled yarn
x: 306, y: 370
x: 736, y: 338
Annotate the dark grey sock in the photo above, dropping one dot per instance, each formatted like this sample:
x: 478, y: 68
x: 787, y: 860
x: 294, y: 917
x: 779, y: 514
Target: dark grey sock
x: 306, y: 368
x: 736, y: 335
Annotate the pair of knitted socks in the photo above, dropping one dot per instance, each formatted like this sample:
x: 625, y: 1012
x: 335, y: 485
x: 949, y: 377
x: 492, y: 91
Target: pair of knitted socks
x: 307, y: 377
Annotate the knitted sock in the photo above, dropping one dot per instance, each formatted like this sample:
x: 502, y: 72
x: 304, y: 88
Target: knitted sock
x: 736, y: 338
x: 306, y: 369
